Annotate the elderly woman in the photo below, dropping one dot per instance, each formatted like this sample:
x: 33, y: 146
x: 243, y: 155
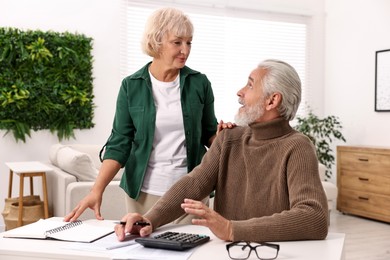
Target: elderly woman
x: 163, y: 123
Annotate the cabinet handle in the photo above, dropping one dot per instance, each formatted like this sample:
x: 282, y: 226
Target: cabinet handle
x: 363, y: 159
x: 363, y: 179
x: 363, y: 198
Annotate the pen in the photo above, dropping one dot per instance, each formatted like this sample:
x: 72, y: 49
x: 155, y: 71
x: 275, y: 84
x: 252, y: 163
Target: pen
x: 138, y: 223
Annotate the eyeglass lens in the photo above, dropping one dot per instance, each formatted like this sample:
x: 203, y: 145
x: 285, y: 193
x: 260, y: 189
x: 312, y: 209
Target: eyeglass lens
x: 243, y: 251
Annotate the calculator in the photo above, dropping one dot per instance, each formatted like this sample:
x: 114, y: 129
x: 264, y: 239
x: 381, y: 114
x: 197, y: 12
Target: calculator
x: 173, y: 240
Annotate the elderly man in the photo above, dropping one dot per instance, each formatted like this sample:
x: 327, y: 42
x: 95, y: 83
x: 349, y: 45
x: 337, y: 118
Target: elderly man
x: 264, y: 173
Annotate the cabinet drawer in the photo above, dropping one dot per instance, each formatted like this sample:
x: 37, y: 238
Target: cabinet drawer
x: 365, y: 182
x: 360, y: 161
x: 364, y: 204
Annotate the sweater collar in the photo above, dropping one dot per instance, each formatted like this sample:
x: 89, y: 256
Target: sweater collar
x: 271, y: 129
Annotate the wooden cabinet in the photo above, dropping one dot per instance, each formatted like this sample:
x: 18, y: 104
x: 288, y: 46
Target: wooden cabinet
x: 363, y: 180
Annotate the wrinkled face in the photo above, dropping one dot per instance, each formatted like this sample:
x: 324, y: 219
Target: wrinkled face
x: 252, y: 99
x: 175, y: 50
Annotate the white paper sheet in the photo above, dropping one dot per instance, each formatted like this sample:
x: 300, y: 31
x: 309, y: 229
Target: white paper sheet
x: 140, y: 252
x: 129, y: 249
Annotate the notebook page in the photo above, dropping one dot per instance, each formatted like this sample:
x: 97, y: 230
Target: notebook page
x: 89, y: 231
x: 35, y: 230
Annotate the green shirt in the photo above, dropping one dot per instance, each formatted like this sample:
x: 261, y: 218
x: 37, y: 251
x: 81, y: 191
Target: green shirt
x: 131, y: 139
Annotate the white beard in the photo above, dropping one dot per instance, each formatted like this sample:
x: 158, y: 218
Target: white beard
x: 249, y: 115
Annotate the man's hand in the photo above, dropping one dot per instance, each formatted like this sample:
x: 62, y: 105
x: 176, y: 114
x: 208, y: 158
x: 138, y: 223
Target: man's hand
x: 131, y: 228
x: 220, y: 226
x: 92, y: 200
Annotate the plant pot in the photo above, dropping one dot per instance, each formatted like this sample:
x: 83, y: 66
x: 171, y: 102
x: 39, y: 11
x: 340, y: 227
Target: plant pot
x: 33, y: 210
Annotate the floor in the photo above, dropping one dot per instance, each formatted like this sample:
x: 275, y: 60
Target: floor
x: 365, y: 239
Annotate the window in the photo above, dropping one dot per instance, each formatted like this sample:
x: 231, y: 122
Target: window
x: 228, y: 44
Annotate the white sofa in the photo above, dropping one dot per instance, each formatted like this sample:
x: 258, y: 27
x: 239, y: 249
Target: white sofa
x: 329, y: 187
x: 74, y: 169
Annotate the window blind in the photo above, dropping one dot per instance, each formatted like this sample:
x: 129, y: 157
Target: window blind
x: 227, y: 45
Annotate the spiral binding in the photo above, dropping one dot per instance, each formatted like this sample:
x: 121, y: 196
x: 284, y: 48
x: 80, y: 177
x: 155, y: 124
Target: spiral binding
x: 64, y: 227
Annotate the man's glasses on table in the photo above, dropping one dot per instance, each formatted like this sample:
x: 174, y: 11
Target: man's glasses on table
x: 243, y: 249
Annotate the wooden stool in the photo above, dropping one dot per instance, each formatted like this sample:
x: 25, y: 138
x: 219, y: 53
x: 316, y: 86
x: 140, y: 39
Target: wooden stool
x: 28, y: 169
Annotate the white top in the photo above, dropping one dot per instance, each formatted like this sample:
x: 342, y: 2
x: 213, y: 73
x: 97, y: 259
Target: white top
x: 168, y: 160
x: 28, y: 167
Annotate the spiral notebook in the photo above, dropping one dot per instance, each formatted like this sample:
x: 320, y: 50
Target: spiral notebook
x: 55, y: 228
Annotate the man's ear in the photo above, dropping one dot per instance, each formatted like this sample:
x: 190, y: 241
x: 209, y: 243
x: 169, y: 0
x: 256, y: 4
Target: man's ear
x: 274, y: 100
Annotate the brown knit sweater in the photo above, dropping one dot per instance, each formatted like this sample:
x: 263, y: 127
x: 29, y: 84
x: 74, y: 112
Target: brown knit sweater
x: 266, y: 182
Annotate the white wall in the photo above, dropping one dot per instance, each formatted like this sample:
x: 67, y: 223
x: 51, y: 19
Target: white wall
x: 98, y: 19
x: 355, y: 29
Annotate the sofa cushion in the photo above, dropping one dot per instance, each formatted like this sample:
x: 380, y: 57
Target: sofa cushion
x: 90, y: 150
x: 53, y: 153
x: 77, y: 163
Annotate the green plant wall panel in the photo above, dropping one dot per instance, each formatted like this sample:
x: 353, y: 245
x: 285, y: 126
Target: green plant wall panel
x: 45, y: 82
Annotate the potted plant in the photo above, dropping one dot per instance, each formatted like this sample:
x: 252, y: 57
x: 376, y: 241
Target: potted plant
x: 322, y: 132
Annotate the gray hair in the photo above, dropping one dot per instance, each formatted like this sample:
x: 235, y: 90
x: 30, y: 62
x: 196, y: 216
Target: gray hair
x: 282, y: 78
x: 161, y: 22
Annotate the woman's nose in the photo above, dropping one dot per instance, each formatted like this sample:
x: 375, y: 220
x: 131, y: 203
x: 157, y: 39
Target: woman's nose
x: 185, y: 49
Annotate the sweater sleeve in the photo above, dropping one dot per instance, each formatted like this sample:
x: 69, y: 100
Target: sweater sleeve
x: 196, y: 185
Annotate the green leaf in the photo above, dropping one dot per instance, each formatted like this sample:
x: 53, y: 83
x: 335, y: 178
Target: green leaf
x: 45, y: 82
x: 322, y: 132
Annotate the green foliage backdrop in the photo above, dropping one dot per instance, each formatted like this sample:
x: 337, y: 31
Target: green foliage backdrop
x: 45, y: 82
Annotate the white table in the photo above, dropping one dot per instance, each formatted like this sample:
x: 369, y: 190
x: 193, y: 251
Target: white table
x: 20, y: 249
x: 28, y: 169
